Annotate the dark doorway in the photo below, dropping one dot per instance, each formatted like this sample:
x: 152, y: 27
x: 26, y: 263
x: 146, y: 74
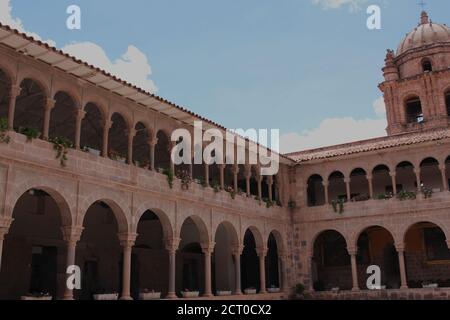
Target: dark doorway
x: 43, y: 270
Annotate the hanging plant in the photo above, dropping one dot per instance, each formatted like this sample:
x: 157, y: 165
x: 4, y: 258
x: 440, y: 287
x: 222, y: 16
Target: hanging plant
x: 292, y: 204
x: 406, y: 195
x: 427, y: 192
x: 231, y: 191
x: 4, y: 137
x: 215, y: 185
x: 30, y: 133
x: 338, y: 205
x: 170, y: 177
x: 185, y: 178
x: 61, y: 146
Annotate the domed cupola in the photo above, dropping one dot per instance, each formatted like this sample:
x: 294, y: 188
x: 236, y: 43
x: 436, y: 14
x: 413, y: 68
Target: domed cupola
x: 425, y: 34
x: 416, y: 83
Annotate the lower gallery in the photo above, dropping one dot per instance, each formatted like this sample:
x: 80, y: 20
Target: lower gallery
x: 138, y: 226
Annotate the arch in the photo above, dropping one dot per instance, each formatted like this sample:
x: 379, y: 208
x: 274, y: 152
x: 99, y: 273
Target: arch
x: 336, y: 186
x: 118, y: 138
x: 162, y: 150
x: 355, y: 237
x: 382, y: 182
x: 430, y: 174
x: 257, y: 235
x: 279, y: 239
x: 438, y: 223
x: 406, y: 177
x: 315, y: 191
x: 118, y: 211
x: 413, y: 109
x: 359, y: 185
x: 319, y: 233
x: 141, y: 147
x: 63, y: 117
x: 5, y: 87
x: 201, y: 228
x: 272, y: 262
x: 163, y: 218
x: 30, y: 105
x: 92, y: 128
x: 231, y: 230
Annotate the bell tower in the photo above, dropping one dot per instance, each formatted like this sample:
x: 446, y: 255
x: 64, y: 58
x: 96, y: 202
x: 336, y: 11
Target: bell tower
x: 416, y: 83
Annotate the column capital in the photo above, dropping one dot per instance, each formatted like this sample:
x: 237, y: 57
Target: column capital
x: 5, y: 222
x: 235, y: 169
x: 352, y: 251
x: 172, y: 244
x: 49, y: 104
x: 261, y: 252
x: 80, y: 114
x: 369, y: 177
x: 347, y: 180
x: 417, y: 171
x: 237, y: 250
x: 443, y: 167
x: 14, y: 91
x: 72, y: 234
x: 107, y: 124
x: 152, y: 142
x: 132, y: 133
x: 127, y: 239
x: 208, y: 248
x: 400, y: 247
x: 325, y: 183
x: 448, y: 243
x: 393, y: 174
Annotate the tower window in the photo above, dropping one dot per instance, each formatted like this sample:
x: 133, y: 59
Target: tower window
x: 414, y: 112
x: 427, y: 66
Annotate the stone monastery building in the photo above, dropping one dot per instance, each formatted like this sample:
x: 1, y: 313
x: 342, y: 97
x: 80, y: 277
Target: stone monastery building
x: 86, y: 179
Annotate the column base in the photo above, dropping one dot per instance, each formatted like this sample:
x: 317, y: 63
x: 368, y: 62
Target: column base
x: 238, y: 293
x: 356, y: 289
x: 262, y: 292
x: 207, y: 295
x: 404, y: 288
x: 68, y: 298
x: 126, y: 298
x: 172, y: 296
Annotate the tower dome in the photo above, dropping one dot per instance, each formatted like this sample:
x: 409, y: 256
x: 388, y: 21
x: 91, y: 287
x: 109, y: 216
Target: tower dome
x: 425, y: 34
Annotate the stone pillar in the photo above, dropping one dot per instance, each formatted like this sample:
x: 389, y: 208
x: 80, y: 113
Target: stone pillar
x: 325, y: 188
x: 370, y: 182
x: 418, y: 180
x: 235, y: 177
x: 270, y: 185
x: 353, y: 252
x: 71, y: 236
x: 443, y: 169
x: 283, y: 257
x: 5, y: 223
x: 262, y: 252
x: 14, y: 92
x: 259, y: 180
x: 347, y: 188
x: 127, y: 241
x: 206, y: 174
x: 401, y: 261
x: 80, y: 114
x: 311, y: 271
x: 394, y: 182
x: 172, y: 247
x: 152, y: 144
x: 49, y: 105
x: 237, y: 252
x: 131, y: 134
x: 106, y: 127
x: 208, y: 249
x: 248, y: 175
x: 170, y: 146
x: 222, y: 176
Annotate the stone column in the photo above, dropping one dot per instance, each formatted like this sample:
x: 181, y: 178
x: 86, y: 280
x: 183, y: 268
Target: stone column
x: 208, y: 249
x: 443, y: 169
x: 262, y: 252
x: 347, y: 188
x: 394, y: 182
x: 311, y: 270
x: 106, y: 127
x: 152, y: 142
x: 370, y: 182
x: 259, y: 180
x: 127, y: 241
x: 353, y: 252
x: 172, y: 247
x: 401, y: 261
x: 283, y: 257
x: 270, y: 185
x: 131, y: 134
x: 71, y: 236
x: 418, y: 180
x: 80, y: 114
x: 248, y: 175
x: 170, y: 147
x: 206, y: 174
x: 235, y: 177
x: 222, y: 176
x: 325, y: 188
x: 5, y: 223
x: 14, y: 92
x: 237, y: 252
x: 49, y: 105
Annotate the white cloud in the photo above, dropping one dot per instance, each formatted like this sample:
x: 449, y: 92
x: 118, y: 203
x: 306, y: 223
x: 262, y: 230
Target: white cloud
x: 133, y: 66
x: 334, y: 131
x: 379, y: 107
x: 334, y: 4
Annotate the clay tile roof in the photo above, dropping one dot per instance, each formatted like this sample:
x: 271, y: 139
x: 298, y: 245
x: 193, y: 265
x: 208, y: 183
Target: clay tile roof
x: 370, y: 145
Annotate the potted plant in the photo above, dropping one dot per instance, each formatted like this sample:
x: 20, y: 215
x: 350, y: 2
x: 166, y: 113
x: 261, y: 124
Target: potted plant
x: 429, y: 285
x: 231, y: 191
x: 338, y: 205
x: 299, y: 290
x: 30, y: 133
x: 106, y: 295
x: 170, y: 177
x: 37, y: 296
x: 273, y: 289
x: 149, y: 295
x: 406, y: 195
x: 4, y: 137
x: 185, y: 178
x: 215, y: 185
x: 427, y: 192
x: 190, y: 294
x: 250, y: 290
x: 223, y: 293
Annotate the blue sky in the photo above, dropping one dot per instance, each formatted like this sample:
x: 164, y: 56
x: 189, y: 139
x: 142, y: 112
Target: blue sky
x: 296, y: 65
